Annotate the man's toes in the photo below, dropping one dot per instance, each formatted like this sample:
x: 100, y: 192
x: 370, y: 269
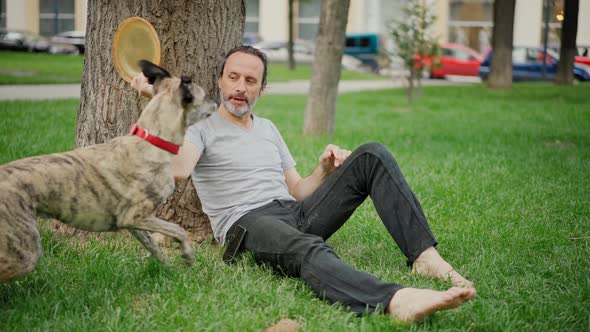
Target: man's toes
x: 463, y: 283
x: 470, y: 293
x: 462, y: 294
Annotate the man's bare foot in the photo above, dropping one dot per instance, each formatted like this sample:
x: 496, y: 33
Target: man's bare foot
x: 431, y: 264
x: 413, y: 304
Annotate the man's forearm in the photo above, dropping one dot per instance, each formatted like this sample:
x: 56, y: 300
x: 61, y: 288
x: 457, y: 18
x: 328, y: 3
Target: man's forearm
x: 308, y: 185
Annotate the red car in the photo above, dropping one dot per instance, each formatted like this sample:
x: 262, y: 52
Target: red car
x: 456, y: 59
x: 582, y: 56
x: 582, y: 60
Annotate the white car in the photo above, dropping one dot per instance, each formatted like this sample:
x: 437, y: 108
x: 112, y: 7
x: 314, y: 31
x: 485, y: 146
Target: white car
x: 276, y: 52
x: 69, y: 42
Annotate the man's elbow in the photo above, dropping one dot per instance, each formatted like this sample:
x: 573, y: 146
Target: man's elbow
x: 296, y: 194
x: 180, y: 175
x: 178, y: 178
x: 293, y: 194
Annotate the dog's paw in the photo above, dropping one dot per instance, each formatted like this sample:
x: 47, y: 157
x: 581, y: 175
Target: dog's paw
x: 161, y: 258
x: 150, y: 245
x: 188, y: 253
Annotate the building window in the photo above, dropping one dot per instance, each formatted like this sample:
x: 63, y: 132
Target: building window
x: 3, y: 14
x: 308, y: 20
x: 252, y: 16
x: 555, y: 20
x: 471, y: 23
x: 56, y: 16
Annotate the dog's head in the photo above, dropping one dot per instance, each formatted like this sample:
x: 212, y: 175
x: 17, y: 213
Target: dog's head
x: 173, y: 99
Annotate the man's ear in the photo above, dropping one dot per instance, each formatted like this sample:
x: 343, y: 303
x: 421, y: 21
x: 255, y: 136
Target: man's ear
x: 261, y: 92
x: 152, y: 71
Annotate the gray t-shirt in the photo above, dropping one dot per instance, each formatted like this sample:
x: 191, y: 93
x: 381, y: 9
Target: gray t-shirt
x: 239, y: 170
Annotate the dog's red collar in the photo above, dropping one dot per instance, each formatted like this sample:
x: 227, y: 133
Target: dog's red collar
x: 154, y: 140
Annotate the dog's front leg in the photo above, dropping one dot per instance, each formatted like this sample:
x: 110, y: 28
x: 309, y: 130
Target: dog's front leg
x: 148, y: 242
x: 154, y: 224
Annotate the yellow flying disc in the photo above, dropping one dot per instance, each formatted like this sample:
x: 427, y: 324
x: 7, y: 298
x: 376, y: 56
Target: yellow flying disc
x: 135, y: 39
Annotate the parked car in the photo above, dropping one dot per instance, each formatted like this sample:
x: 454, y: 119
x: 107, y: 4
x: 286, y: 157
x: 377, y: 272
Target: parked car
x: 69, y: 42
x: 22, y: 41
x: 250, y: 38
x: 451, y: 59
x: 276, y: 51
x: 299, y: 46
x: 582, y: 55
x: 456, y: 59
x: 527, y: 65
x: 365, y: 47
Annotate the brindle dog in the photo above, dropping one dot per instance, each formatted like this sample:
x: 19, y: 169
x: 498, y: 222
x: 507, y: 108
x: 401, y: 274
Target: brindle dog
x: 104, y: 187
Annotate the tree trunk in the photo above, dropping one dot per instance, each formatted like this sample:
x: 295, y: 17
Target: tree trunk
x: 502, y: 37
x: 418, y: 76
x: 291, y: 36
x: 410, y: 91
x: 194, y: 36
x: 321, y: 104
x: 567, y: 53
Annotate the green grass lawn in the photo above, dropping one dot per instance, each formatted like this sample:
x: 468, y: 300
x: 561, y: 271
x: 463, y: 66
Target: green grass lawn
x: 40, y: 68
x: 504, y: 178
x: 281, y: 73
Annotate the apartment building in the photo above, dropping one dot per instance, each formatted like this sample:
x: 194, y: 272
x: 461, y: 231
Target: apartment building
x: 467, y: 22
x: 44, y: 17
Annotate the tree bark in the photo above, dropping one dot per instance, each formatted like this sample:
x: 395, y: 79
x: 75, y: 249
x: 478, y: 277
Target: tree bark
x: 410, y: 91
x: 502, y: 37
x: 330, y: 42
x: 194, y: 37
x: 567, y: 53
x: 291, y: 39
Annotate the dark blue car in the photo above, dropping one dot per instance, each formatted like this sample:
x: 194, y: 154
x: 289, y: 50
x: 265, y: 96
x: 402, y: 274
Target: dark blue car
x: 527, y: 65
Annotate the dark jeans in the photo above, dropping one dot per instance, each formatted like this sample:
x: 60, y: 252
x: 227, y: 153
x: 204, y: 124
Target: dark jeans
x: 290, y: 235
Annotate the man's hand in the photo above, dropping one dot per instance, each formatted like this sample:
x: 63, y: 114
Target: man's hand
x: 140, y: 83
x: 332, y: 158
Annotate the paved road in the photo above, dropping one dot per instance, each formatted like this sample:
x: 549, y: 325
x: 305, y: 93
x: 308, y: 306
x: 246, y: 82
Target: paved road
x: 60, y: 91
x: 49, y: 91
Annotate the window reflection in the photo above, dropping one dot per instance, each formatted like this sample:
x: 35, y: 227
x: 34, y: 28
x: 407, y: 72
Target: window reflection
x: 252, y: 16
x: 555, y: 21
x: 471, y: 23
x: 56, y: 16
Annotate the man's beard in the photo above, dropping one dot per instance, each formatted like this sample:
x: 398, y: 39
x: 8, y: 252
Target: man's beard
x: 239, y: 112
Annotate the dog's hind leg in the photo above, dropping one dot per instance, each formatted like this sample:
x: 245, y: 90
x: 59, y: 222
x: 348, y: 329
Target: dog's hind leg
x: 154, y: 224
x: 20, y: 244
x: 148, y: 242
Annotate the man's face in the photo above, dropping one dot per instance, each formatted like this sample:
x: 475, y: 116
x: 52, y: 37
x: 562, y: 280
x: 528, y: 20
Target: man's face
x: 241, y: 83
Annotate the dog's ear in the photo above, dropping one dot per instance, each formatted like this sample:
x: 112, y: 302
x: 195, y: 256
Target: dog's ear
x: 186, y: 90
x: 152, y: 71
